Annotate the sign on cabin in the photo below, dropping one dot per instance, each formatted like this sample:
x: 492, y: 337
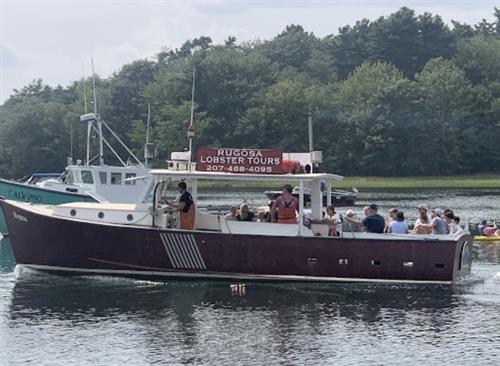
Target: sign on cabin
x: 250, y: 161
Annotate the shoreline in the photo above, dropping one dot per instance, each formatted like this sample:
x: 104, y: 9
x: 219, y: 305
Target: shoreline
x: 451, y: 182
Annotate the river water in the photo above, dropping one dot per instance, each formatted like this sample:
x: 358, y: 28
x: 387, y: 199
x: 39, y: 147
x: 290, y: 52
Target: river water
x: 51, y: 320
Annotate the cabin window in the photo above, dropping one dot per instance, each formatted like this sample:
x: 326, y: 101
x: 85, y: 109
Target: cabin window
x: 130, y: 175
x: 103, y: 177
x: 87, y: 177
x: 116, y: 178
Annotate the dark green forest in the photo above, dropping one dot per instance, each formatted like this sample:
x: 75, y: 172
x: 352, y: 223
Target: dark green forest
x: 401, y: 95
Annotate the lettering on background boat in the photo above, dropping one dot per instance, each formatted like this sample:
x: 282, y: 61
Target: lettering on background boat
x: 182, y: 251
x: 24, y: 196
x: 19, y: 217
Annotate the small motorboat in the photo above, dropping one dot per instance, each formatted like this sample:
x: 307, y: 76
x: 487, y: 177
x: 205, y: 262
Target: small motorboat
x: 487, y: 238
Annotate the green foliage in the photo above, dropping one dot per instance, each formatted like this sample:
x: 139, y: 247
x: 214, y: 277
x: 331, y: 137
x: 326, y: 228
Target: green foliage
x: 403, y: 95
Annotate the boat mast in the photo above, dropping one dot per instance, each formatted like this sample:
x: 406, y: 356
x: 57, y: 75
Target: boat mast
x: 99, y: 121
x: 89, y: 126
x: 191, y: 126
x: 146, y: 156
x: 310, y: 131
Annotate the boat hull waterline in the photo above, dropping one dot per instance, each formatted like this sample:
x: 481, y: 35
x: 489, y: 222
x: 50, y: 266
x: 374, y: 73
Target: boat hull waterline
x: 63, y: 245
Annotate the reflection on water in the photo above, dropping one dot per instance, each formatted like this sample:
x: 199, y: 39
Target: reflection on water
x: 7, y: 261
x: 203, y: 322
x: 102, y: 320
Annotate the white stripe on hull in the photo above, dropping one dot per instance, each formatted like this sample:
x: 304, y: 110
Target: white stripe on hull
x: 238, y: 276
x: 182, y: 251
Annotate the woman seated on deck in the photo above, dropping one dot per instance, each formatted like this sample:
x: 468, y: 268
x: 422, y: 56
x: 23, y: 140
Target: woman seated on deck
x: 333, y: 221
x: 398, y: 226
x: 423, y: 220
x: 245, y: 214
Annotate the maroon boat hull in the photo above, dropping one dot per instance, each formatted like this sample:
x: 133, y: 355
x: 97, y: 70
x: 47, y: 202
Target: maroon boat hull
x: 59, y: 244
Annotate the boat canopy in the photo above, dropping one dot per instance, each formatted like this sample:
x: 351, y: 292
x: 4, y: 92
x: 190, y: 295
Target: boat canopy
x: 176, y: 174
x: 45, y: 175
x: 313, y: 180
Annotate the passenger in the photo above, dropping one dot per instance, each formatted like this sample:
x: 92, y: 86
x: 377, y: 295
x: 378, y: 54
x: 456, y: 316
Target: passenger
x: 233, y: 214
x: 399, y: 225
x: 286, y: 205
x: 480, y: 228
x: 437, y: 224
x: 423, y: 219
x: 245, y: 214
x: 374, y: 223
x: 456, y: 222
x: 307, y: 219
x: 261, y: 216
x: 392, y: 217
x: 333, y: 221
x: 185, y: 207
x: 490, y: 230
x: 449, y: 218
x: 448, y: 211
x: 356, y: 222
x: 268, y: 215
x: 347, y: 224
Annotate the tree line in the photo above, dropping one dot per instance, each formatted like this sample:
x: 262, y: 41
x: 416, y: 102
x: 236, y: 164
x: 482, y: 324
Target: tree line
x: 402, y: 95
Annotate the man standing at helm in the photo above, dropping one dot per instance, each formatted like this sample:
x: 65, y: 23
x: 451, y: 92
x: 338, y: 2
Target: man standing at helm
x: 186, y: 208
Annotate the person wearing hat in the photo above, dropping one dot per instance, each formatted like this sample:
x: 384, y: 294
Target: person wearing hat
x: 423, y: 220
x: 437, y: 225
x: 348, y: 226
x: 374, y: 223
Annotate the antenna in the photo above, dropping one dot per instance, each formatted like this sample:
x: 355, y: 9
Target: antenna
x: 84, y: 90
x: 89, y: 128
x: 99, y: 121
x: 148, y: 122
x: 310, y: 132
x: 191, y: 126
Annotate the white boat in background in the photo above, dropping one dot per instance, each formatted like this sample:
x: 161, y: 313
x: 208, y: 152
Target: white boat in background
x: 85, y: 181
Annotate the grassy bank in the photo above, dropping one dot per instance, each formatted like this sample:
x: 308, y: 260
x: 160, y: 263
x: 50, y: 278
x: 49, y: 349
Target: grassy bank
x: 454, y: 182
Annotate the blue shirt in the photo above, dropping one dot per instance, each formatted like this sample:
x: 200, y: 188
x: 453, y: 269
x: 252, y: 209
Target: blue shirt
x: 399, y: 227
x: 374, y: 223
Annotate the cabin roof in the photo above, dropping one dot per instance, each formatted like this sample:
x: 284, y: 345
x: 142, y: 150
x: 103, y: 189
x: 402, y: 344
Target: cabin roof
x: 242, y: 176
x: 38, y: 175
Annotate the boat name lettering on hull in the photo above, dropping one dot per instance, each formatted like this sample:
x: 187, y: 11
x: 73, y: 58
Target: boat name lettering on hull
x: 24, y: 196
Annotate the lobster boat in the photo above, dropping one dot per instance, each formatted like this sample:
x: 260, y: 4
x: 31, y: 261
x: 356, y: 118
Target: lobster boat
x: 89, y: 181
x: 143, y: 239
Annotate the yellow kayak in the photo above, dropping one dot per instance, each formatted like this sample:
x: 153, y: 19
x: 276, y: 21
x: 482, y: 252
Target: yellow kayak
x: 487, y: 238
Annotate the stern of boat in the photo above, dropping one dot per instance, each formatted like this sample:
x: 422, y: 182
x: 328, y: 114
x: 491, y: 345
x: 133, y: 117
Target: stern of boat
x: 463, y: 256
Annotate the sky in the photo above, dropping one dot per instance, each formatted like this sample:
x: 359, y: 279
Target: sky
x: 55, y: 39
